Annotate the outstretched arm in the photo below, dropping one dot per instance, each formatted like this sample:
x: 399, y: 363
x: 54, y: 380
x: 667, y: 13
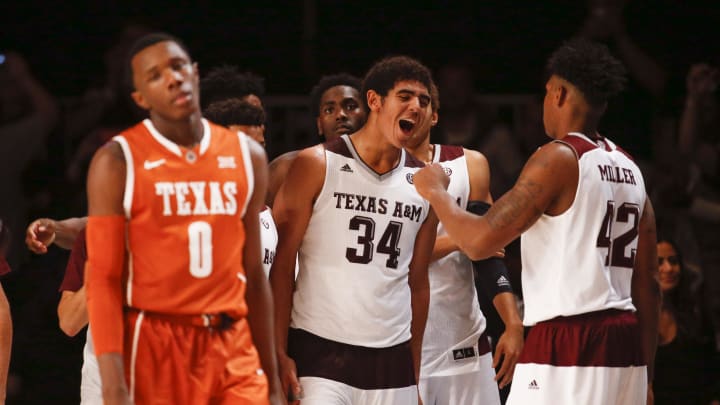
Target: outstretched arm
x: 549, y: 176
x: 43, y: 232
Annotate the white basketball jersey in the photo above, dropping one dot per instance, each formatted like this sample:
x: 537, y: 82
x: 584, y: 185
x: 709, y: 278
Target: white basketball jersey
x: 268, y: 239
x: 90, y: 383
x: 454, y: 321
x: 352, y: 286
x: 582, y: 260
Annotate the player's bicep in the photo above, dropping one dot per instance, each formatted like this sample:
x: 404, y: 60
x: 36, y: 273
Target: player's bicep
x: 302, y: 184
x: 294, y: 202
x: 540, y: 183
x: 106, y: 181
x: 277, y: 171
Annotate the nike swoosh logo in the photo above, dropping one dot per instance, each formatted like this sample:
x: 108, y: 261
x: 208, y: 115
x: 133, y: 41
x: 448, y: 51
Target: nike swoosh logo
x: 149, y: 165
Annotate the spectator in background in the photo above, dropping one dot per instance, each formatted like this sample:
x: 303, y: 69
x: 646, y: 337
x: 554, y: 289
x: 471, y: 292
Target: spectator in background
x: 226, y: 82
x: 687, y: 364
x: 465, y: 121
x: 699, y: 144
x: 28, y: 113
x: 633, y: 119
x: 99, y: 114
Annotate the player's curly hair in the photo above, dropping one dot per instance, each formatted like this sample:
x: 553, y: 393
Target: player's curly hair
x: 590, y: 67
x: 384, y: 74
x: 326, y: 82
x: 434, y: 97
x: 234, y: 112
x: 224, y: 82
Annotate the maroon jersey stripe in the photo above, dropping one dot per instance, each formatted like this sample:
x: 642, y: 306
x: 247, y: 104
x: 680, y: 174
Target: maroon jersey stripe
x: 450, y: 152
x: 578, y: 144
x: 411, y: 161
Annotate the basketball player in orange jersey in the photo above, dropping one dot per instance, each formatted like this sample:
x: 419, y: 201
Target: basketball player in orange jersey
x: 175, y: 282
x: 588, y: 245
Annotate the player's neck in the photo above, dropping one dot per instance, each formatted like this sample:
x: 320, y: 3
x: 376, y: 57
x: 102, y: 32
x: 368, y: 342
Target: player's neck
x: 579, y: 123
x: 375, y: 150
x: 187, y: 132
x: 423, y: 152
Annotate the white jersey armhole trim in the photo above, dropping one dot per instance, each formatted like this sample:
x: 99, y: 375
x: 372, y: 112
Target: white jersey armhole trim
x: 580, y: 177
x: 250, y: 175
x: 325, y: 179
x: 129, y: 174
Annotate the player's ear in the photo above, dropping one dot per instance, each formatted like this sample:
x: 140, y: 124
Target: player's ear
x: 196, y: 72
x: 561, y: 94
x: 374, y: 100
x: 140, y: 100
x: 434, y: 119
x: 318, y: 122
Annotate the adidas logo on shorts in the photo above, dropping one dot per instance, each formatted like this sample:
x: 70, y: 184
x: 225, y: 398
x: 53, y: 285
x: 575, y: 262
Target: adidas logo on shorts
x: 346, y: 168
x: 533, y: 385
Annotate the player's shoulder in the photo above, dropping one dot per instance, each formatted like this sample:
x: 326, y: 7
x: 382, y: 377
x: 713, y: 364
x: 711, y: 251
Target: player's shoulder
x: 474, y: 157
x: 560, y: 150
x: 284, y: 160
x: 310, y: 158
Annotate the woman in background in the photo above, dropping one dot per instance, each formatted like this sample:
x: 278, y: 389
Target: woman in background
x: 687, y: 365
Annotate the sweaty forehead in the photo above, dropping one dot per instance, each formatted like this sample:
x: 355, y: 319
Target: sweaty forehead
x: 412, y: 86
x: 157, y: 54
x: 338, y: 93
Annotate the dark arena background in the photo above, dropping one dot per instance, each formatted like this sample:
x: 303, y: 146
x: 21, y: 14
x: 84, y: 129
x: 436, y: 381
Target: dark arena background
x: 73, y: 49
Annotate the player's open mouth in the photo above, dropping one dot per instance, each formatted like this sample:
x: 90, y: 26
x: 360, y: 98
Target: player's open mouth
x: 406, y: 126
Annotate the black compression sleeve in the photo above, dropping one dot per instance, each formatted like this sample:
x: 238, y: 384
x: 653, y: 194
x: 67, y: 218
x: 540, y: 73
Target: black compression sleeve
x: 493, y: 276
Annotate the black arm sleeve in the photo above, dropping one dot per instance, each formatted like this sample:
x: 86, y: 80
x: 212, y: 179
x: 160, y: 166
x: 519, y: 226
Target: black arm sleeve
x: 492, y: 275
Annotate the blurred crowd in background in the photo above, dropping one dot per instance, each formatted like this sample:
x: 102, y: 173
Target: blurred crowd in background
x: 491, y: 100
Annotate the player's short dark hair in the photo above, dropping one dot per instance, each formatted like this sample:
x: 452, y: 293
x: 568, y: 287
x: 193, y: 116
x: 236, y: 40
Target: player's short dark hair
x: 329, y: 81
x: 234, y: 112
x: 384, y: 74
x: 434, y: 97
x: 144, y: 42
x: 225, y: 82
x: 590, y: 67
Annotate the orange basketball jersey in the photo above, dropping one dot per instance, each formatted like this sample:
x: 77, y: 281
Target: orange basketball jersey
x: 185, y: 234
